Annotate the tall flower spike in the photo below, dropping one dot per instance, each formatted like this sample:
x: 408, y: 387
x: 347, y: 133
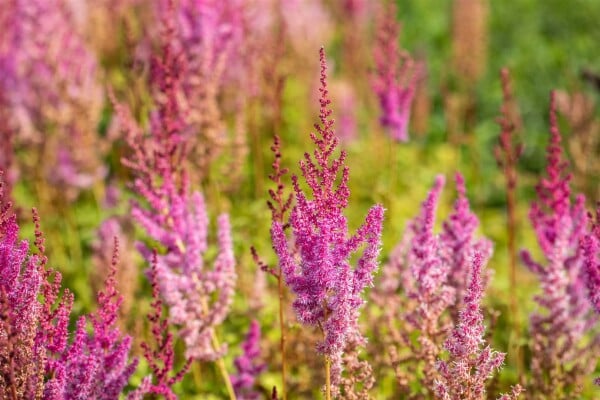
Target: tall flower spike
x: 395, y: 78
x: 248, y: 365
x: 590, y: 247
x: 458, y: 236
x: 175, y: 216
x: 97, y: 365
x: 328, y: 290
x: 161, y: 359
x: 471, y: 362
x: 558, y: 331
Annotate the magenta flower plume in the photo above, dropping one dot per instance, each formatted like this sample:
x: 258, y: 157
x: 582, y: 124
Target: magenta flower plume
x: 161, y: 358
x: 471, y: 362
x: 175, y: 216
x: 328, y: 290
x: 50, y: 81
x: 97, y: 364
x: 248, y: 365
x: 458, y: 236
x: 395, y: 78
x: 590, y: 247
x: 36, y: 359
x: 560, y: 226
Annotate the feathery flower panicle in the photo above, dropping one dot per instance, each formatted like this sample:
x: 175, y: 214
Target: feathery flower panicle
x: 328, y: 290
x: 248, y: 365
x: 590, y: 248
x: 471, y: 362
x: 36, y: 359
x: 458, y: 236
x: 560, y: 225
x: 175, y: 216
x: 52, y: 92
x: 162, y: 358
x: 97, y: 364
x: 395, y: 78
x: 431, y: 270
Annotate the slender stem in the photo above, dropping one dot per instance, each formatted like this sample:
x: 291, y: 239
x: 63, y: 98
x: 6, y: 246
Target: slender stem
x: 221, y: 365
x: 511, y: 228
x: 283, y: 336
x: 327, y: 378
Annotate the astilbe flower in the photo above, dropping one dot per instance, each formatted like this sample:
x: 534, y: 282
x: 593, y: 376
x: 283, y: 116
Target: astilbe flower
x: 395, y: 76
x: 559, y: 357
x: 328, y: 290
x: 36, y: 360
x: 458, y: 236
x: 97, y: 364
x: 176, y: 217
x: 161, y: 358
x: 590, y: 248
x: 53, y: 93
x: 421, y: 282
x: 471, y: 361
x: 248, y: 365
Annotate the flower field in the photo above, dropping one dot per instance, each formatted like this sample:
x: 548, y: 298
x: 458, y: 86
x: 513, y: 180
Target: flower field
x: 298, y: 199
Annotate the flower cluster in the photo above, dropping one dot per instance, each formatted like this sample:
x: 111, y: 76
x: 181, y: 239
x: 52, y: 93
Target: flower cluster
x: 50, y: 87
x: 328, y: 290
x: 464, y: 375
x: 175, y: 216
x: 248, y: 365
x: 395, y: 77
x: 36, y: 358
x: 560, y: 225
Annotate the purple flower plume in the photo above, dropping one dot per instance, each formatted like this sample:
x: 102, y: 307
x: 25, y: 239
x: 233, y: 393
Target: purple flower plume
x: 161, y: 358
x: 590, y: 247
x: 97, y: 364
x: 50, y: 85
x: 395, y: 77
x: 175, y: 216
x: 248, y: 365
x: 328, y: 290
x: 559, y: 225
x: 471, y: 362
x: 36, y: 358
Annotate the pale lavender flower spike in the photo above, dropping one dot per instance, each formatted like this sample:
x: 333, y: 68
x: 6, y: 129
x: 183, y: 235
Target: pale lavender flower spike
x: 471, y: 361
x: 395, y: 77
x: 560, y: 225
x: 248, y: 365
x: 328, y: 290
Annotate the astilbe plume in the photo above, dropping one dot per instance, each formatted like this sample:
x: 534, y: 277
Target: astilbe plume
x: 176, y: 217
x: 97, y: 363
x: 421, y: 282
x: 52, y: 90
x: 36, y: 360
x: 161, y: 358
x: 248, y: 365
x: 395, y: 77
x: 328, y: 290
x: 458, y: 237
x: 559, y: 358
x: 590, y: 248
x: 471, y: 362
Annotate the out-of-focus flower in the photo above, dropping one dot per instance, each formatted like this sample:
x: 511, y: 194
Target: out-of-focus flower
x: 328, y: 290
x: 395, y: 78
x: 248, y: 365
x: 174, y: 215
x: 161, y: 358
x: 51, y: 86
x: 560, y: 225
